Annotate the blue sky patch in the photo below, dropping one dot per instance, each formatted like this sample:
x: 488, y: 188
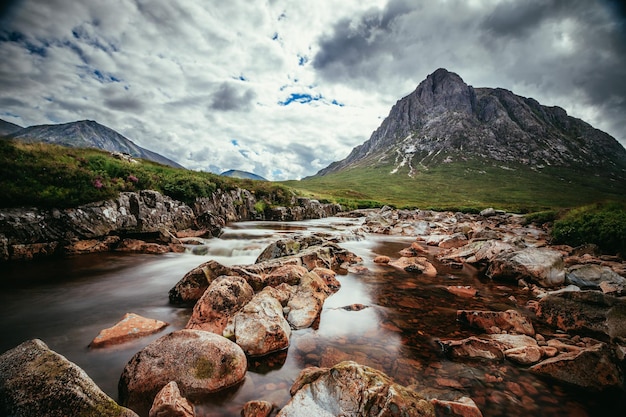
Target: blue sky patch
x: 235, y: 142
x: 300, y: 98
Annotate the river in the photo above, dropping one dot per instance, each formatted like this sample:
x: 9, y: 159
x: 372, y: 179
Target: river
x: 66, y: 302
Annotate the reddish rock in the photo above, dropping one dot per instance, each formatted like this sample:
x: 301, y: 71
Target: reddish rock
x: 92, y: 245
x: 307, y: 301
x: 496, y: 321
x: 257, y: 409
x: 169, y: 403
x: 289, y: 274
x: 329, y: 278
x: 473, y: 348
x: 382, y: 259
x: 260, y: 327
x: 524, y: 355
x: 199, y: 362
x: 462, y: 291
x: 418, y: 265
x: 135, y: 245
x: 592, y: 368
x: 132, y: 326
x: 457, y: 240
x: 225, y: 296
x: 463, y: 407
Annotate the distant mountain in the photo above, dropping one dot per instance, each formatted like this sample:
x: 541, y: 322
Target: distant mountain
x: 242, y: 175
x: 6, y: 128
x: 445, y: 121
x: 88, y: 134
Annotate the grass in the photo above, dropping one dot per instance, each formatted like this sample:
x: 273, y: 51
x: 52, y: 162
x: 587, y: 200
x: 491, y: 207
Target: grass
x: 48, y: 176
x: 466, y: 186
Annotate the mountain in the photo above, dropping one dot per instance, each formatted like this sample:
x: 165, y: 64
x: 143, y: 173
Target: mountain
x: 6, y: 128
x: 445, y: 121
x: 242, y: 174
x: 88, y: 134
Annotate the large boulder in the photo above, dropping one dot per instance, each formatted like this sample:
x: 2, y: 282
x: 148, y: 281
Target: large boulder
x: 591, y: 276
x: 307, y: 301
x: 585, y: 312
x: 592, y: 368
x: 349, y: 389
x: 540, y: 265
x: 36, y: 381
x: 224, y: 297
x: 260, y: 326
x: 199, y: 362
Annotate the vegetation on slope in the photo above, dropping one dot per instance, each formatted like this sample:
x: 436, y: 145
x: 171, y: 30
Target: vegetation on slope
x: 53, y: 176
x: 465, y: 186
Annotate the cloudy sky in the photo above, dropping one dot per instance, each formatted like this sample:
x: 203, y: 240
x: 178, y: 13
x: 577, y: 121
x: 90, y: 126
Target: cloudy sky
x: 282, y: 88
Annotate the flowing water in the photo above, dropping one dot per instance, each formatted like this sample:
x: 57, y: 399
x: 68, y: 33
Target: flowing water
x: 66, y: 302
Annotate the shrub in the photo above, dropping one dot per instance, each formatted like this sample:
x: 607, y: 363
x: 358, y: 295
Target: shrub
x: 603, y: 224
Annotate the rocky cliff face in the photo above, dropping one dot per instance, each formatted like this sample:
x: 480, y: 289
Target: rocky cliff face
x: 28, y: 233
x: 445, y: 120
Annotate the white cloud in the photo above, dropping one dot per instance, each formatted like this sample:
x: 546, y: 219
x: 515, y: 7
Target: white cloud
x: 185, y: 79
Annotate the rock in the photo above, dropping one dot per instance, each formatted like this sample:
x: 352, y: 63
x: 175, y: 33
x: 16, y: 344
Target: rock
x: 92, y: 246
x: 593, y: 368
x: 225, y: 296
x: 482, y: 251
x: 591, y: 312
x: 169, y: 403
x: 350, y: 389
x: 36, y: 381
x: 382, y: 259
x: 457, y: 240
x: 289, y: 274
x: 540, y: 265
x: 462, y: 291
x: 419, y: 265
x: 132, y: 326
x: 257, y: 409
x: 260, y: 327
x: 463, y: 407
x: 329, y: 278
x: 496, y: 321
x: 591, y: 276
x: 199, y: 362
x: 488, y: 212
x: 139, y: 246
x: 473, y: 348
x: 194, y: 283
x: 307, y: 301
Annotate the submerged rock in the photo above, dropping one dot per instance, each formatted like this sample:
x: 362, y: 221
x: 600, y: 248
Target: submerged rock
x: 497, y: 321
x: 199, y: 362
x: 36, y: 381
x: 349, y: 389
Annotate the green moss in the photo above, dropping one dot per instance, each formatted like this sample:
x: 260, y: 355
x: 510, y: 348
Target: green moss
x: 204, y: 368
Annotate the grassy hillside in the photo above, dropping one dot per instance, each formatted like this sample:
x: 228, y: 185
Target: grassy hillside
x: 468, y: 186
x: 53, y: 176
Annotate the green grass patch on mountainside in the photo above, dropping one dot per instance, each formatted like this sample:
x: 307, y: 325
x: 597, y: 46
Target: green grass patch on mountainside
x: 46, y: 175
x: 465, y: 186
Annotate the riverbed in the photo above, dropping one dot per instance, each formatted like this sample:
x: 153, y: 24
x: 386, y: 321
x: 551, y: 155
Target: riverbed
x: 396, y: 328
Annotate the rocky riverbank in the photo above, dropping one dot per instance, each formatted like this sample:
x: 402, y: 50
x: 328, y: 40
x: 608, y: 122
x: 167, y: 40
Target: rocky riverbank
x: 572, y: 328
x: 146, y: 222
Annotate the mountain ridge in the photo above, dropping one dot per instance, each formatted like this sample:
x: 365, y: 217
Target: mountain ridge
x: 445, y: 120
x: 236, y: 173
x: 88, y: 134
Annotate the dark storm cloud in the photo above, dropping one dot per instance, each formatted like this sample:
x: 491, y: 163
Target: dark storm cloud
x: 125, y: 104
x: 229, y: 98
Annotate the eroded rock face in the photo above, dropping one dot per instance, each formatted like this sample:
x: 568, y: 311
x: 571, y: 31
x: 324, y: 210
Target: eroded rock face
x: 225, y: 296
x: 132, y: 326
x: 36, y: 381
x: 260, y: 326
x: 199, y: 362
x: 350, y: 389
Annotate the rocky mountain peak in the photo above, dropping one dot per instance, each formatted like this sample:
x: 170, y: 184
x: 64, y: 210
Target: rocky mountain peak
x: 445, y: 120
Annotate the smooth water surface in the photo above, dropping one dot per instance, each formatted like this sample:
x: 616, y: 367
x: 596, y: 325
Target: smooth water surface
x: 66, y: 302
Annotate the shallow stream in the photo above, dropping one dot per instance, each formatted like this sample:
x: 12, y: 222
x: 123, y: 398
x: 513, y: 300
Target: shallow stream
x: 66, y: 302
